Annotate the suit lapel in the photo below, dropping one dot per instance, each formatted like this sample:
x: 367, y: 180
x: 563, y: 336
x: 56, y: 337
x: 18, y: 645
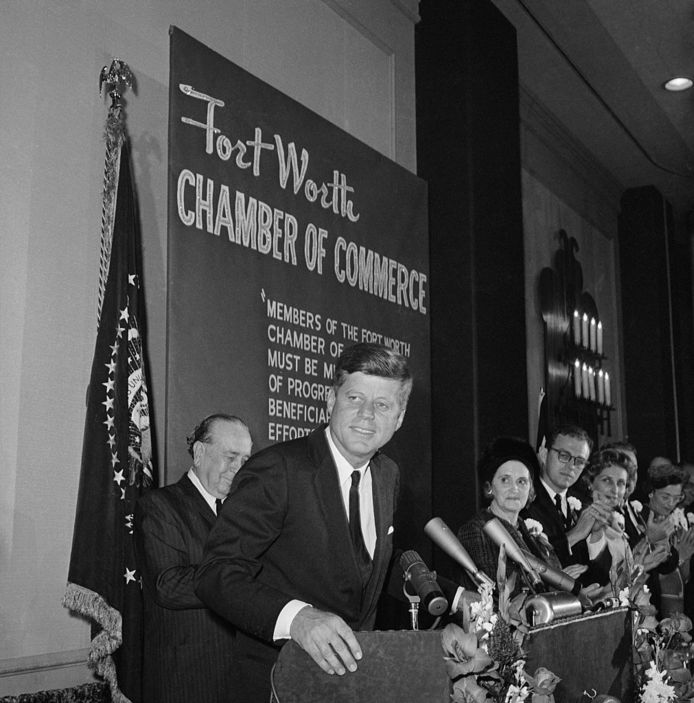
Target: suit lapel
x: 383, y: 519
x: 550, y: 508
x: 332, y: 506
x: 196, y: 500
x: 329, y: 496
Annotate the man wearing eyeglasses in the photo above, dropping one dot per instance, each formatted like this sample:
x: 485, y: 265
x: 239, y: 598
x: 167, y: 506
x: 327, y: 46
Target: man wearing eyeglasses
x: 562, y: 461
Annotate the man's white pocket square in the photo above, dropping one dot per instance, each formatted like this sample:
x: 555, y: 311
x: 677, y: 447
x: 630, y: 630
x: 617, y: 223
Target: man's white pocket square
x: 390, y: 530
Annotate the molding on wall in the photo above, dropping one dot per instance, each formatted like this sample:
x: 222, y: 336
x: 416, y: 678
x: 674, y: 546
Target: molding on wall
x: 552, y: 155
x: 389, y: 26
x: 409, y: 8
x: 35, y: 662
x: 44, y: 672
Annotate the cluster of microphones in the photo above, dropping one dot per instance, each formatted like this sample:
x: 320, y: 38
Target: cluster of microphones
x: 539, y: 576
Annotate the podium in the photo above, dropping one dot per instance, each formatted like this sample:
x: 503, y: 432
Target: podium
x: 397, y: 666
x: 587, y: 652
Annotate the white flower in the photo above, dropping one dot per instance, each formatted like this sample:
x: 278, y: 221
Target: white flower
x: 534, y: 527
x: 574, y: 503
x: 678, y: 519
x: 618, y: 520
x: 637, y: 505
x: 690, y: 518
x: 655, y: 689
x: 624, y: 596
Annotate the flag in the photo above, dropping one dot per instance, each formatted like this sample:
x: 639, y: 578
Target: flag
x: 103, y: 578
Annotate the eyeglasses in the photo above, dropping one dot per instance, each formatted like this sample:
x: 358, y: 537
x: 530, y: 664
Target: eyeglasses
x: 565, y: 458
x: 670, y: 497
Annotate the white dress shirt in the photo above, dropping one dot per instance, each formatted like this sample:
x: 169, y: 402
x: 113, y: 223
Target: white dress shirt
x: 209, y: 498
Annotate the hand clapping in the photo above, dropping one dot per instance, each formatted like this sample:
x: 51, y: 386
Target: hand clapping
x: 595, y: 517
x: 658, y: 530
x: 685, y: 545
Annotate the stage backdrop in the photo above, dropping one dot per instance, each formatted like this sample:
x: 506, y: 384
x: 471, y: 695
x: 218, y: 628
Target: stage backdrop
x: 288, y: 240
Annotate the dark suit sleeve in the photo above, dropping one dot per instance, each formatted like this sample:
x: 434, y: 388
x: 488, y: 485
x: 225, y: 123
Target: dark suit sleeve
x: 251, y: 521
x: 164, y: 557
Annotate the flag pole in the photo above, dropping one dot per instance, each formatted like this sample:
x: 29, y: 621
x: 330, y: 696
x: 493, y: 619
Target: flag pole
x: 116, y: 79
x: 103, y: 583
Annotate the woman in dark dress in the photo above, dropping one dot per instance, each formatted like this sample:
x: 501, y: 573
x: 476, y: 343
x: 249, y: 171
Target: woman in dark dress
x: 506, y: 472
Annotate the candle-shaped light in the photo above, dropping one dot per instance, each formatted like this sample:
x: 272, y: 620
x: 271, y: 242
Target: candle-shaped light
x: 584, y: 331
x: 593, y: 335
x: 591, y: 382
x: 577, y: 378
x: 608, y: 390
x: 601, y: 387
x: 584, y: 381
x: 599, y: 339
x: 577, y: 329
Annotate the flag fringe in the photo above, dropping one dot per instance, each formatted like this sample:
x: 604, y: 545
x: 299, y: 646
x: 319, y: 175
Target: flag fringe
x: 91, y: 605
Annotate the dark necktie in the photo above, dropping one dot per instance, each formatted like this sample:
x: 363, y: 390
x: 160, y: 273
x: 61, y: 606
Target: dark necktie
x: 557, y: 502
x: 360, y: 549
x: 218, y: 505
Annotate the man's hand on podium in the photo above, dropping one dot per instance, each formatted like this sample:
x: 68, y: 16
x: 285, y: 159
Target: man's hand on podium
x: 327, y: 639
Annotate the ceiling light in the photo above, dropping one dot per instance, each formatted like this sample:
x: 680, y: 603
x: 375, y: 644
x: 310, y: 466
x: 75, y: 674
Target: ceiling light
x: 677, y: 84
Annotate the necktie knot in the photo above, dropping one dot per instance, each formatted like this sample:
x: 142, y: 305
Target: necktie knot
x: 558, y: 503
x: 218, y: 505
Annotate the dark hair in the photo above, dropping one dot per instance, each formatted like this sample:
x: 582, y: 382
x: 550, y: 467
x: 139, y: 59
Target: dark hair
x: 665, y: 475
x: 603, y: 459
x: 201, y: 432
x: 569, y: 431
x: 623, y: 447
x: 498, y: 452
x: 375, y: 360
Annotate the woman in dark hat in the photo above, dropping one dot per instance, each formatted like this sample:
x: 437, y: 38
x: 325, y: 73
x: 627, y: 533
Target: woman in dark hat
x: 506, y: 472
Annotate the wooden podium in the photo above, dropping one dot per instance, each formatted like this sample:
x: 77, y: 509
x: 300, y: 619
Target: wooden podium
x: 587, y: 652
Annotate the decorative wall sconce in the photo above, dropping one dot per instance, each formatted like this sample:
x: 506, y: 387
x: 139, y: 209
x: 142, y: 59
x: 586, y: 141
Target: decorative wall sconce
x: 578, y: 387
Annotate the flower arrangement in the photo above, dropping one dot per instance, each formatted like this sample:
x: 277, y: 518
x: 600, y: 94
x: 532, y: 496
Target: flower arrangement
x: 486, y: 662
x: 661, y: 651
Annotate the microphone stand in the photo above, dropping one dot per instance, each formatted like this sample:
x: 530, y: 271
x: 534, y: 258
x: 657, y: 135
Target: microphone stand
x: 414, y: 607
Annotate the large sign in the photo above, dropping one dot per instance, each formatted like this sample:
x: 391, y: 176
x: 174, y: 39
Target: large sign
x: 288, y: 240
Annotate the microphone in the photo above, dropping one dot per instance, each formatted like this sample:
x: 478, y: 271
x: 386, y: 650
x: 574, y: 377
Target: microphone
x: 552, y: 576
x: 500, y: 536
x: 438, y: 532
x: 424, y: 583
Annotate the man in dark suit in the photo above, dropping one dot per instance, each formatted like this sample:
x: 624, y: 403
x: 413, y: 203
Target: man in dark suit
x: 187, y: 648
x: 303, y: 543
x: 562, y: 461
